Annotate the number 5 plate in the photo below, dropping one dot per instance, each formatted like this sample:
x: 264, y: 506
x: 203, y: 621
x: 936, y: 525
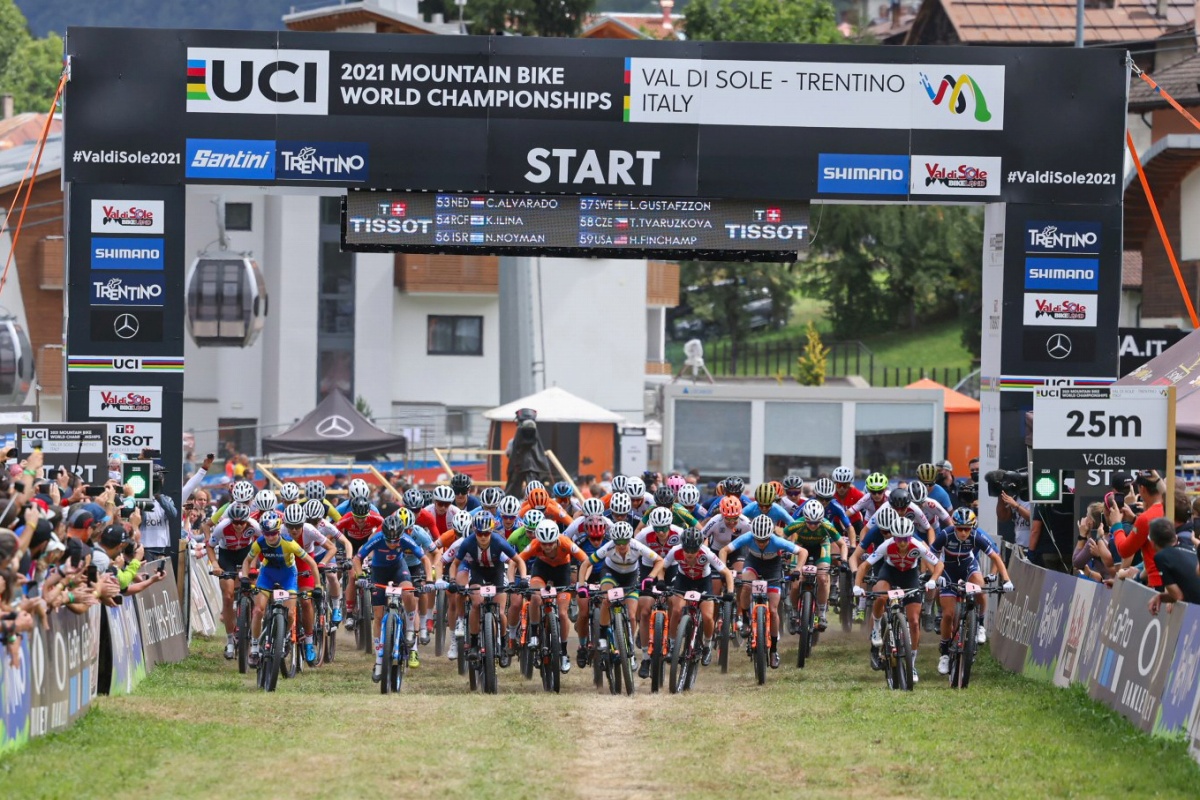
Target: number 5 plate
x: 896, y: 594
x: 616, y: 593
x: 487, y: 591
x: 281, y: 594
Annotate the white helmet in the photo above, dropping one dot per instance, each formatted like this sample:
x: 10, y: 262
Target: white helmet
x: 546, y: 531
x: 824, y: 488
x: 242, y: 491
x: 902, y: 528
x: 886, y: 518
x: 443, y: 494
x: 314, y: 490
x: 660, y: 517
x: 843, y: 475
x: 620, y: 483
x: 636, y: 488
x: 529, y: 487
x: 813, y: 511
x: 294, y: 514
x: 763, y: 527
x: 533, y: 518
x: 918, y: 492
x: 688, y: 495
x: 621, y: 532
x: 289, y: 493
x: 461, y: 524
x: 359, y: 488
x: 593, y: 507
x: 620, y: 503
x: 508, y: 506
x: 265, y: 500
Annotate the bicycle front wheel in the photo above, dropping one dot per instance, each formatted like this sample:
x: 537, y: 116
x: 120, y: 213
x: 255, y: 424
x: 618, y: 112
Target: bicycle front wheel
x: 904, y: 655
x: 242, y: 638
x: 387, y: 636
x: 488, y: 644
x: 679, y: 656
x: 725, y: 635
x: 551, y: 668
x: 439, y: 623
x: 846, y: 607
x: 658, y: 639
x: 760, y: 644
x: 804, y: 648
x: 966, y: 657
x: 621, y: 634
x: 399, y: 651
x: 279, y: 634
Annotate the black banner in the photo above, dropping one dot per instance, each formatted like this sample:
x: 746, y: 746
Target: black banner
x: 1137, y: 346
x: 160, y: 619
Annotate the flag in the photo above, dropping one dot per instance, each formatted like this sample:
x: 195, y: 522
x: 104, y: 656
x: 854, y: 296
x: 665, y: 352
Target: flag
x: 477, y: 219
x: 476, y: 238
x: 774, y: 215
x: 477, y: 202
x: 621, y: 240
x: 621, y: 222
x: 399, y: 209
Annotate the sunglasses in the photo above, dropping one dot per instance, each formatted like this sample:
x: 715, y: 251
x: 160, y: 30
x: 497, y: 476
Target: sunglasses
x: 442, y: 502
x: 878, y: 494
x: 794, y: 492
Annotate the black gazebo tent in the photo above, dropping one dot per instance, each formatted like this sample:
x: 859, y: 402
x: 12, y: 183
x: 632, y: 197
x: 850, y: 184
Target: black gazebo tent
x: 335, y: 427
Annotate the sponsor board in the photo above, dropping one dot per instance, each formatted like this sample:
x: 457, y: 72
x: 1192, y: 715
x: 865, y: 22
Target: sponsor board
x: 1060, y: 310
x: 1117, y: 427
x: 132, y: 437
x: 127, y: 324
x: 143, y: 217
x: 321, y: 161
x: 230, y: 159
x: 841, y: 173
x: 1076, y: 629
x: 129, y: 289
x: 126, y: 254
x: 145, y: 402
x: 1058, y: 347
x: 972, y: 176
x: 224, y: 80
x: 123, y: 364
x: 61, y: 439
x: 1137, y: 346
x: 1062, y: 274
x: 1071, y: 238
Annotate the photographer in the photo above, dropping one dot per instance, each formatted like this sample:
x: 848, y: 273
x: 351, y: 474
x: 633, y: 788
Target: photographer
x: 156, y: 516
x: 1010, y: 508
x: 1093, y: 550
x: 1132, y: 531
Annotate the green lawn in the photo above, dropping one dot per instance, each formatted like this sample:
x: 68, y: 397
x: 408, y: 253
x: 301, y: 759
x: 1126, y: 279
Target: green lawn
x: 200, y: 730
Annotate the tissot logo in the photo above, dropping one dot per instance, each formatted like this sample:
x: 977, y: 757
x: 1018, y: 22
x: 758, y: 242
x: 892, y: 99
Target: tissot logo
x: 247, y: 81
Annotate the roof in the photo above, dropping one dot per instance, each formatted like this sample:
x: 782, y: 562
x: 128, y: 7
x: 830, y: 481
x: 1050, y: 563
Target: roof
x: 1131, y: 269
x: 15, y: 160
x: 1166, y: 163
x: 338, y: 15
x: 22, y: 128
x: 954, y: 402
x: 630, y: 26
x: 335, y: 427
x: 555, y: 405
x: 1051, y: 21
x: 1178, y: 80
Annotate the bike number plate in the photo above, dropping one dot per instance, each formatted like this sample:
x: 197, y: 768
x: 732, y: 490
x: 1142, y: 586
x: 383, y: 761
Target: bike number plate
x: 281, y: 594
x: 971, y: 588
x: 616, y: 593
x: 810, y: 569
x: 594, y: 588
x: 549, y: 591
x: 758, y: 587
x: 896, y: 594
x: 395, y: 591
x: 487, y: 591
x: 692, y: 596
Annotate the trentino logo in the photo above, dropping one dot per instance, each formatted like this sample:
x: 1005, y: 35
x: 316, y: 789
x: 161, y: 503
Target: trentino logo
x: 953, y: 91
x: 1076, y: 238
x: 236, y: 159
x: 128, y: 290
x: 322, y: 161
x: 249, y: 81
x: 841, y: 173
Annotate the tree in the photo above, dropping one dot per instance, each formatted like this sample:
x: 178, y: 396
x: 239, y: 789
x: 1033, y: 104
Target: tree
x: 527, y: 17
x: 31, y: 75
x: 811, y: 364
x: 810, y: 21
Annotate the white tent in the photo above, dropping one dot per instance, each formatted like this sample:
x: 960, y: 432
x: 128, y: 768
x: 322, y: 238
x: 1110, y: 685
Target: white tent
x: 555, y: 405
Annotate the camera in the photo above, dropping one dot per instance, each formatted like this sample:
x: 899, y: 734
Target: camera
x: 1011, y: 482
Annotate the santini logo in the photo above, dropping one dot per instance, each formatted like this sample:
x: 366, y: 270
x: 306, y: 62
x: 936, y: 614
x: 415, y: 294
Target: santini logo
x: 238, y: 159
x: 246, y: 81
x: 839, y: 173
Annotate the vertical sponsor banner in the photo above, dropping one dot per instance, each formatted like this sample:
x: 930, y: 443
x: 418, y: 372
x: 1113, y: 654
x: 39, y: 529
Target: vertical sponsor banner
x: 128, y: 662
x: 205, y: 596
x: 991, y: 349
x: 63, y: 660
x: 1016, y: 615
x: 1090, y: 646
x: 1071, y: 651
x: 160, y: 618
x: 16, y: 698
x: 1058, y: 590
x: 1179, y: 696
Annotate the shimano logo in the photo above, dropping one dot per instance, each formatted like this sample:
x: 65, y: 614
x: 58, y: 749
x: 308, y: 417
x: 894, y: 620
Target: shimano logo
x: 141, y: 253
x: 850, y: 173
x: 1063, y: 274
x: 862, y: 174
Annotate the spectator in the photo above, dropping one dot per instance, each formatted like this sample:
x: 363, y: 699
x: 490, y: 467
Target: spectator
x: 606, y: 482
x: 189, y: 465
x: 339, y: 482
x: 1187, y: 531
x: 1132, y: 531
x: 945, y: 479
x: 1174, y: 564
x: 1019, y: 512
x: 1093, y: 553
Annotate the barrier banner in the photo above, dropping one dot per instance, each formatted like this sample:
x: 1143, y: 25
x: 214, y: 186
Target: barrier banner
x: 62, y: 659
x: 160, y: 619
x: 1016, y: 615
x: 16, y: 699
x: 128, y: 661
x: 1041, y: 661
x: 205, y: 596
x: 1076, y: 628
x: 1178, y: 698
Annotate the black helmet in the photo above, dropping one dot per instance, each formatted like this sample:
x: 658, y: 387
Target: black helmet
x: 392, y: 528
x: 664, y: 496
x: 900, y: 499
x: 734, y: 485
x: 460, y: 483
x: 691, y: 540
x: 360, y: 506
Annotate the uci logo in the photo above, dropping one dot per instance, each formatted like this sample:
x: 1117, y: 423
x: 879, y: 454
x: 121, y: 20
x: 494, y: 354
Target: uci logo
x: 245, y: 81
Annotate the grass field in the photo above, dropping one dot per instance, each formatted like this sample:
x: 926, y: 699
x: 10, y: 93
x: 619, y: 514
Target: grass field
x: 199, y: 730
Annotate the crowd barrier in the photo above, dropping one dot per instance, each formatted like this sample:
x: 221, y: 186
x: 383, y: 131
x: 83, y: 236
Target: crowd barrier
x: 1067, y: 630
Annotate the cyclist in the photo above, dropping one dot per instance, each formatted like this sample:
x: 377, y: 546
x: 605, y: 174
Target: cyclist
x: 265, y: 502
x: 901, y: 500
x: 321, y: 551
x: 359, y: 525
x: 660, y: 535
x: 688, y: 497
x: 508, y: 512
x: 591, y: 508
x: 696, y: 565
x: 358, y: 489
x: 665, y: 498
x: 874, y: 499
x: 443, y: 509
x: 793, y: 494
x: 387, y: 550
x: 289, y: 494
x: 927, y: 475
x: 538, y: 499
x: 817, y: 536
x: 846, y: 492
x: 315, y: 490
x: 551, y: 554
x: 899, y: 570
x: 522, y: 535
x: 450, y: 542
x: 620, y: 508
x: 621, y: 558
x: 957, y: 551
x: 278, y: 555
x: 564, y: 495
x: 241, y: 492
x: 640, y: 499
x: 592, y: 534
x: 764, y: 562
x: 231, y: 541
x: 723, y: 526
x: 730, y: 487
x: 489, y: 500
x: 935, y: 514
x: 463, y: 500
x: 424, y: 601
x: 766, y: 498
x: 315, y: 512
x: 480, y: 561
x: 825, y: 491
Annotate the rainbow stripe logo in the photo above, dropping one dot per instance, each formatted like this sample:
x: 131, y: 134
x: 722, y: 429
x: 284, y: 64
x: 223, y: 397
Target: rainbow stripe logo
x: 123, y: 364
x: 954, y: 92
x: 197, y: 79
x: 628, y: 70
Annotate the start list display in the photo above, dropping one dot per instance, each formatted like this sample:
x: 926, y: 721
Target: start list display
x: 611, y: 227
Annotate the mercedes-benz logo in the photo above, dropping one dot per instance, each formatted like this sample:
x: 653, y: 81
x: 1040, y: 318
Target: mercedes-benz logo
x: 334, y: 426
x: 1058, y: 346
x: 126, y: 326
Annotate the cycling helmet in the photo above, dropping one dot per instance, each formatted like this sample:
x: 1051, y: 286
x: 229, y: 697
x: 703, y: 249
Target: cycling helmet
x: 813, y: 511
x: 265, y: 500
x: 765, y: 495
x: 289, y: 492
x: 963, y: 518
x: 360, y: 506
x: 903, y: 528
x: 593, y: 507
x: 779, y: 492
x: 392, y: 528
x: 734, y: 486
x: 824, y: 489
x: 359, y: 488
x: 426, y: 497
x: 242, y: 491
x: 462, y: 524
x: 414, y: 499
x: 877, y: 482
x: 529, y: 487
x: 562, y: 489
x: 621, y: 532
x: 538, y: 498
x: 490, y: 496
x: 675, y: 482
x: 238, y: 512
x: 792, y: 483
x: 314, y: 490
x: 636, y: 488
x: 532, y: 519
x: 620, y: 483
x: 843, y: 475
x: 900, y: 499
x: 546, y: 531
x: 314, y: 509
x: 763, y: 527
x: 460, y: 483
x: 664, y: 497
x: 509, y: 506
x: 660, y: 518
x: 730, y: 506
x: 886, y: 518
x: 594, y: 527
x: 620, y: 503
x: 404, y: 517
x: 690, y: 540
x: 482, y: 522
x: 270, y: 523
x: 927, y: 473
x: 689, y: 495
x: 443, y: 494
x: 918, y: 491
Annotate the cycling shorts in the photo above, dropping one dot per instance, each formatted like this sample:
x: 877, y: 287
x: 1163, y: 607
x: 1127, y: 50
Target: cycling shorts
x: 682, y: 583
x: 955, y: 573
x: 629, y: 581
x: 355, y: 545
x: 553, y: 576
x: 816, y: 555
x: 668, y: 575
x: 484, y: 577
x: 306, y: 579
x: 897, y: 579
x: 269, y: 576
x: 230, y: 560
x: 766, y: 569
x: 397, y: 574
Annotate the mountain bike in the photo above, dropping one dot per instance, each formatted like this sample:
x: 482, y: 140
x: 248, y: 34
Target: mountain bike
x: 525, y: 659
x: 294, y: 662
x: 482, y: 669
x: 963, y: 645
x: 441, y: 603
x: 590, y: 655
x: 841, y: 595
x: 324, y: 630
x: 363, y: 615
x: 550, y: 647
x: 618, y: 666
x: 760, y: 630
x: 243, y: 604
x: 685, y: 656
x: 931, y: 613
x: 726, y: 633
x: 393, y: 635
x: 895, y: 657
x: 273, y: 642
x: 658, y: 642
x: 806, y: 614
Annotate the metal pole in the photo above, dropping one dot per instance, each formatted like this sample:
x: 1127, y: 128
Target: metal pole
x: 1079, y: 23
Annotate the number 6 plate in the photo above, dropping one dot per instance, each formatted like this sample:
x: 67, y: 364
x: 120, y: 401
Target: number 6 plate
x: 692, y: 596
x: 487, y: 591
x: 896, y: 594
x: 281, y: 594
x: 616, y: 593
